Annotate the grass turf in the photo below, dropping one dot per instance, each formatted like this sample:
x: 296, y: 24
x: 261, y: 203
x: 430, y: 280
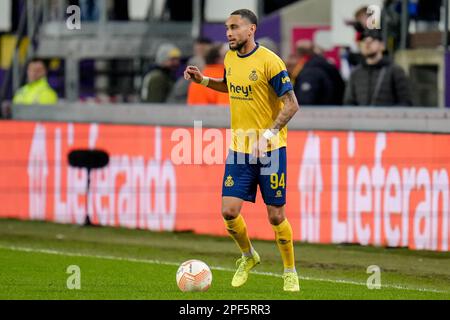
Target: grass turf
x: 133, y: 264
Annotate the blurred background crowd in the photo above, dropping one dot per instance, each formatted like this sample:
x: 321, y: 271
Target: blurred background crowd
x: 134, y: 51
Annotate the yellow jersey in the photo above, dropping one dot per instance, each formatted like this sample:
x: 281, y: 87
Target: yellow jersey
x: 37, y: 92
x: 255, y: 83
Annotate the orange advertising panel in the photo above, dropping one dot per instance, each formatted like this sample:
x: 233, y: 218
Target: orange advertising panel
x: 384, y: 189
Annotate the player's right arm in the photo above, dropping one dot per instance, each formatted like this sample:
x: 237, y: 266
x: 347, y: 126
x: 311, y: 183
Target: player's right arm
x: 194, y: 74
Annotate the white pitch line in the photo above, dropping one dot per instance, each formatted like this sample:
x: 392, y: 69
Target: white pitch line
x: 116, y: 258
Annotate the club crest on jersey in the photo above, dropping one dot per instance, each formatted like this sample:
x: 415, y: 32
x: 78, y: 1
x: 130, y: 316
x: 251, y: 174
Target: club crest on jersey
x: 229, y: 182
x: 253, y: 76
x: 229, y: 72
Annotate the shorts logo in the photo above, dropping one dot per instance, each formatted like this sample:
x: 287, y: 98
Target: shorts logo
x: 279, y: 194
x: 229, y: 182
x: 253, y: 76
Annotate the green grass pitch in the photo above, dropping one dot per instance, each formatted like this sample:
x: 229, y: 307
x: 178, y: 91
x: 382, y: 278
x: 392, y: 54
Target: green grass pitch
x: 132, y: 264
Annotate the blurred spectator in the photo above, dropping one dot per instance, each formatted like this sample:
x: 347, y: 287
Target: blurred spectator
x: 201, y: 47
x: 159, y: 81
x: 269, y: 44
x: 291, y: 65
x: 200, y: 95
x: 361, y: 18
x: 37, y: 91
x: 378, y: 81
x: 350, y: 54
x: 317, y: 81
x: 179, y: 93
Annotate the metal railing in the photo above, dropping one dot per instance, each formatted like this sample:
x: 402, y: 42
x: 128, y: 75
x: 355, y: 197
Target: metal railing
x: 343, y: 118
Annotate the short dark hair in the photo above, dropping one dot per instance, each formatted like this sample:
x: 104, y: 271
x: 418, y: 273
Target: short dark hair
x: 246, y: 14
x: 38, y: 60
x: 372, y: 33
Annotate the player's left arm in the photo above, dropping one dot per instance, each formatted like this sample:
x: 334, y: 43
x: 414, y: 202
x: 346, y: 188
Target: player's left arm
x: 287, y: 113
x: 290, y: 108
x: 278, y: 78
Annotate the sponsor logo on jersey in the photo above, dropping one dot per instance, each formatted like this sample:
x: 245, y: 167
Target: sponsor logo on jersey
x: 245, y: 90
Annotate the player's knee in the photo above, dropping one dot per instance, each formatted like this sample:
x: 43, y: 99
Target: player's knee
x: 276, y: 220
x: 276, y: 216
x: 230, y: 213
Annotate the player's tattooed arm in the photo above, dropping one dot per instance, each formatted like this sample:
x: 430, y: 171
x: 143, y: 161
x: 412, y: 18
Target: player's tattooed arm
x: 290, y: 109
x: 287, y: 113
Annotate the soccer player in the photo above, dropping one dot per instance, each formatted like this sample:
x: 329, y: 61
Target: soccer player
x: 262, y: 102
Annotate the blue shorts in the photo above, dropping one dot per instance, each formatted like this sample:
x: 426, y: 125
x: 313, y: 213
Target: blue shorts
x: 243, y: 173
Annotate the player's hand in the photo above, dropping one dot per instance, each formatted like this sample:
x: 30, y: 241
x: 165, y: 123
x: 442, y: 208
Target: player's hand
x: 193, y: 73
x: 259, y: 148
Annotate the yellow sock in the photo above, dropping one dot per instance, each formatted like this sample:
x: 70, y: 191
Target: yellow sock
x: 237, y: 229
x: 283, y: 236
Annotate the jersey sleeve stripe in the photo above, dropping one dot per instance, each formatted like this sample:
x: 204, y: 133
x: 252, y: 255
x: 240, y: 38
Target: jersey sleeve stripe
x: 281, y: 83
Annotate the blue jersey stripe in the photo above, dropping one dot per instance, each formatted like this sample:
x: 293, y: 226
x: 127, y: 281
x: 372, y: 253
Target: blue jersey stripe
x: 281, y: 83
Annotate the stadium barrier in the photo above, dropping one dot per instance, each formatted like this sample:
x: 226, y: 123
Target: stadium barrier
x: 343, y: 186
x: 432, y: 120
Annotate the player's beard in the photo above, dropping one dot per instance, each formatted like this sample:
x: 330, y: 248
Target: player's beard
x: 239, y: 46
